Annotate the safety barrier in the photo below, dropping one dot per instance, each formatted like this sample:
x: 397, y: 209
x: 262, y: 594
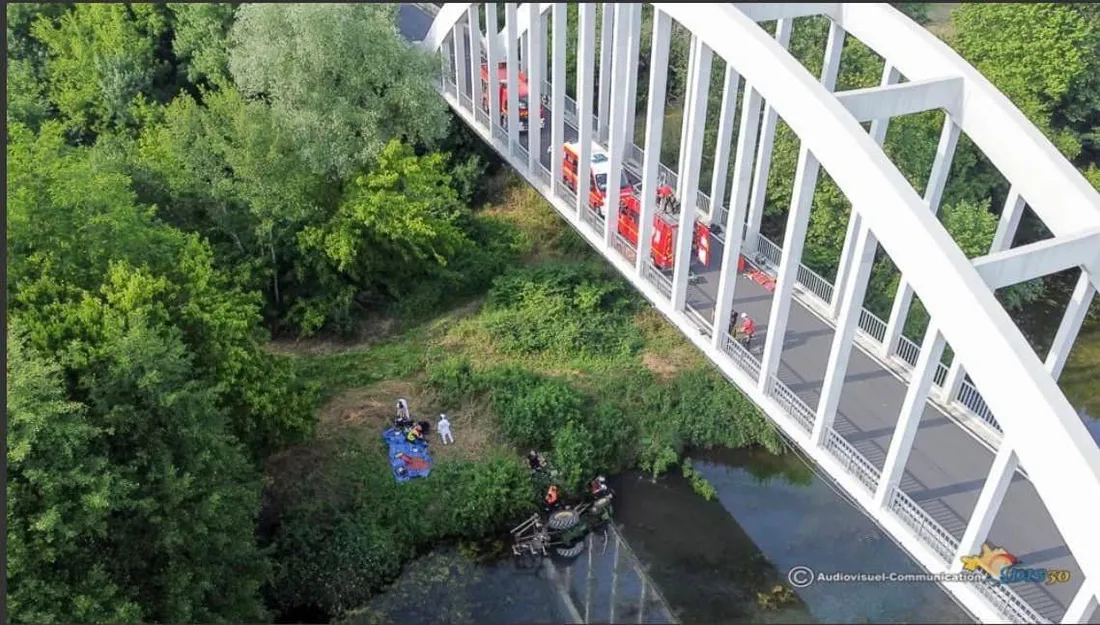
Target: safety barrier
x: 771, y: 252
x: 657, y: 279
x: 853, y: 461
x: 595, y: 221
x: 908, y: 351
x: 741, y: 357
x: 791, y: 403
x: 624, y: 248
x: 698, y: 320
x: 815, y: 284
x: 927, y: 529
x: 872, y: 325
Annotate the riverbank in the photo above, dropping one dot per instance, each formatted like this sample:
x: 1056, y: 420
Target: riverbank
x: 560, y: 355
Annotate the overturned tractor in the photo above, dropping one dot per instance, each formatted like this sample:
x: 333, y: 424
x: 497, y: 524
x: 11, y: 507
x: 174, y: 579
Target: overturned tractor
x: 559, y: 532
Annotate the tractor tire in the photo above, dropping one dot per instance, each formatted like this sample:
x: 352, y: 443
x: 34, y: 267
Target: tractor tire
x: 562, y: 520
x: 571, y: 552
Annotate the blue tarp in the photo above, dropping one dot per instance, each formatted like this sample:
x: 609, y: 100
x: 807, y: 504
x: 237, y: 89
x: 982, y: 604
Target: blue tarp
x: 413, y: 458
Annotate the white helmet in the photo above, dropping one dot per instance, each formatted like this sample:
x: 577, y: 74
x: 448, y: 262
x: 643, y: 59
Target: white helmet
x: 744, y: 315
x: 442, y: 416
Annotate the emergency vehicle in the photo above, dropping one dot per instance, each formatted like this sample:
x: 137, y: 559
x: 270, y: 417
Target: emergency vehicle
x: 502, y: 77
x: 665, y: 218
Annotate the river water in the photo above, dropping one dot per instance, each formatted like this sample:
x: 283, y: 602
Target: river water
x: 719, y: 561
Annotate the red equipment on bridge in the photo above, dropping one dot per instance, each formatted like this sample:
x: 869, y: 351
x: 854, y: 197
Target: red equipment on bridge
x: 665, y: 218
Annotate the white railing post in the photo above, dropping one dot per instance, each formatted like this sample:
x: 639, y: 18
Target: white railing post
x: 805, y: 181
x: 617, y: 142
x: 492, y: 44
x: 691, y: 154
x: 1002, y: 240
x: 912, y: 408
x: 557, y: 88
x: 722, y: 149
x: 739, y: 196
x: 655, y: 119
x: 932, y: 194
x: 535, y: 64
x: 989, y: 502
x: 837, y: 366
x: 477, y: 87
x: 511, y: 47
x: 878, y: 134
x: 586, y: 38
x: 607, y: 42
x: 632, y: 71
x: 1082, y: 607
x: 764, y: 154
x: 462, y: 64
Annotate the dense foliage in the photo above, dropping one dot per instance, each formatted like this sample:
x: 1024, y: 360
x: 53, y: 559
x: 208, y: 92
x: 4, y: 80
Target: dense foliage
x: 346, y: 527
x: 187, y: 180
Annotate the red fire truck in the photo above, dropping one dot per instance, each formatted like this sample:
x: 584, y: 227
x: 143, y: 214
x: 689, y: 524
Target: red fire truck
x: 665, y: 219
x: 502, y: 76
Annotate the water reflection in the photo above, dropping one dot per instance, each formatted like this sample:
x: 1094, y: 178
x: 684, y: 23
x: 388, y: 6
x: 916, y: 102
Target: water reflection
x: 714, y: 560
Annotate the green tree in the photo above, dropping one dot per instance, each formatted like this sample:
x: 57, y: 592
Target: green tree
x: 100, y: 58
x: 61, y: 493
x: 339, y: 77
x: 1044, y: 57
x: 200, y: 39
x: 398, y: 224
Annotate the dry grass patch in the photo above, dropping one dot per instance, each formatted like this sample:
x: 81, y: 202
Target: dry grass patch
x: 522, y: 207
x: 366, y: 412
x: 667, y: 351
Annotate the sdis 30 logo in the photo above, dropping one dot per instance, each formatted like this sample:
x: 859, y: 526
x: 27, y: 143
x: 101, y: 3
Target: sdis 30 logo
x: 1004, y: 567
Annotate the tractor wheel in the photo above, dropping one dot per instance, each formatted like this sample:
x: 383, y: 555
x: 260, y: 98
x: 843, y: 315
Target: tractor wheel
x: 571, y: 552
x: 562, y: 520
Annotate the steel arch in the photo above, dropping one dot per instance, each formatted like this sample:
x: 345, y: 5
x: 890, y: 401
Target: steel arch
x: 1037, y: 419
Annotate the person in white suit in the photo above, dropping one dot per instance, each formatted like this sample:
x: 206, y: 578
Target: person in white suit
x: 444, y: 428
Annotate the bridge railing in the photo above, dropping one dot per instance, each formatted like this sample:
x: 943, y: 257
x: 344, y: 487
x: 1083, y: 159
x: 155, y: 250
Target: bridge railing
x: 815, y: 286
x: 909, y: 512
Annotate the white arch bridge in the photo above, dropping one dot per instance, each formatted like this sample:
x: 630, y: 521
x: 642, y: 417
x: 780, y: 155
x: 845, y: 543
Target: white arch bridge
x: 938, y: 464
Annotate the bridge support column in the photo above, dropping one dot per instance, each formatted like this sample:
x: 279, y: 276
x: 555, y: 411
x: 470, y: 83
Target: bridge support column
x: 462, y: 64
x: 805, y: 181
x: 535, y: 65
x: 511, y: 48
x: 616, y: 145
x: 632, y: 73
x: 989, y: 502
x: 764, y: 154
x: 691, y: 153
x: 654, y: 127
x: 586, y: 39
x: 473, y: 23
x: 941, y: 166
x: 878, y: 134
x: 912, y: 407
x: 1002, y: 240
x: 722, y: 149
x: 492, y: 44
x: 1071, y: 323
x: 836, y: 368
x: 607, y: 42
x: 1083, y: 605
x: 735, y: 220
x: 557, y: 88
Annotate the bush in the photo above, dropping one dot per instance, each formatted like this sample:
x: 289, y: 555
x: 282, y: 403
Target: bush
x: 347, y: 527
x: 453, y: 379
x: 566, y: 309
x: 529, y: 408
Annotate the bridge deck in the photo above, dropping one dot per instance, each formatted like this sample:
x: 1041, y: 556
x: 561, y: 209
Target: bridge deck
x: 948, y: 464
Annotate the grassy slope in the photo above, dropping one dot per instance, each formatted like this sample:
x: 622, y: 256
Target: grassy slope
x: 363, y: 379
